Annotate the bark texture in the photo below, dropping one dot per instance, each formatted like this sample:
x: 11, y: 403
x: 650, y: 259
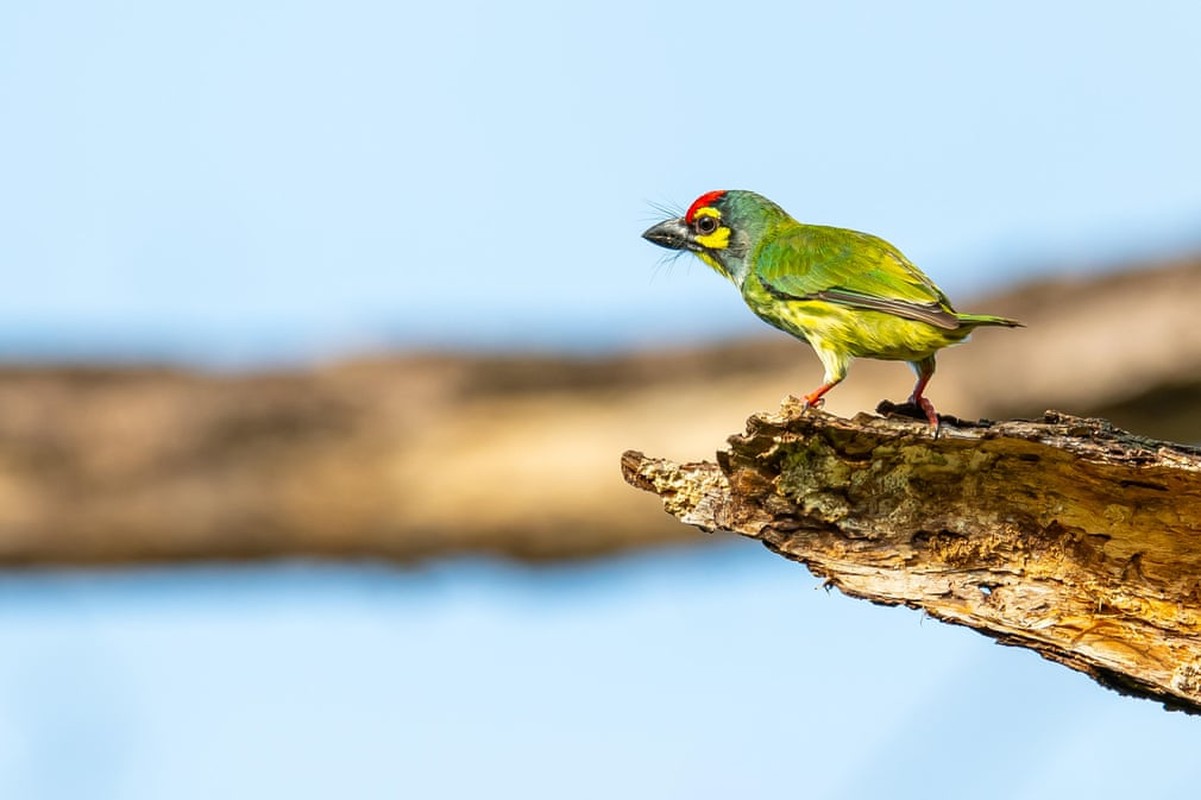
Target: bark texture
x: 1065, y: 535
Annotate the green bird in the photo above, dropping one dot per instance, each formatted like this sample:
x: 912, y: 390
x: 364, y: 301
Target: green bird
x: 848, y: 294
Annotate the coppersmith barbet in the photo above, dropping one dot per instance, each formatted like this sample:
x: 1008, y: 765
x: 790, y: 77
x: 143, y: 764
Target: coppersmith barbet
x: 848, y: 294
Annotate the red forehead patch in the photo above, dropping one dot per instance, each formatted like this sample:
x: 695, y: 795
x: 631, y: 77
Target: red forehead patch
x: 707, y: 199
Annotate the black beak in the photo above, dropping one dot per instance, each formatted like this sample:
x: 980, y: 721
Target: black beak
x: 673, y: 234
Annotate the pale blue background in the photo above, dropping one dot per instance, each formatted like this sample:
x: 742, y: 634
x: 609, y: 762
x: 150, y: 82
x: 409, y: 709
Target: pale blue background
x: 722, y: 673
x: 234, y: 184
x: 231, y: 181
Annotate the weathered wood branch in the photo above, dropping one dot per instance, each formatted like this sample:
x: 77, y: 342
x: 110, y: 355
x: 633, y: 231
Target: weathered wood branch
x: 1066, y: 535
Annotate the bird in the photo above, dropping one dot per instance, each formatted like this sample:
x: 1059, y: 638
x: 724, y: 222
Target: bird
x: 848, y: 294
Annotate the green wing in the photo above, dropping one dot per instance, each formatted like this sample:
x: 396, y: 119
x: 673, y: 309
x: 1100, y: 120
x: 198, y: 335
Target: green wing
x: 814, y: 262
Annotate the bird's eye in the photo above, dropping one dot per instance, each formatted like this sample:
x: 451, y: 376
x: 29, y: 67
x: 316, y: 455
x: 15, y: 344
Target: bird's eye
x: 706, y: 225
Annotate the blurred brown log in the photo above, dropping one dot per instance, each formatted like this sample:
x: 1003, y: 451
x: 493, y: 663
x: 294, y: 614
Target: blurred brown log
x: 427, y: 456
x: 1066, y: 536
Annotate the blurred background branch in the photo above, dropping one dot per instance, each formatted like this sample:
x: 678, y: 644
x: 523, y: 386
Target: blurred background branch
x: 413, y: 457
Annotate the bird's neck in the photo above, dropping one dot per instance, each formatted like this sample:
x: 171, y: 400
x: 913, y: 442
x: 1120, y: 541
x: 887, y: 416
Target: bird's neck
x: 728, y: 264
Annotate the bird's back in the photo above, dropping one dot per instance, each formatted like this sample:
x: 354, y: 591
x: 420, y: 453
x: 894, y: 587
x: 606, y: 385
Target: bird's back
x: 853, y: 292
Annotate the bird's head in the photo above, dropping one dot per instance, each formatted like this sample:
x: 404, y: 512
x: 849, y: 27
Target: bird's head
x: 721, y: 228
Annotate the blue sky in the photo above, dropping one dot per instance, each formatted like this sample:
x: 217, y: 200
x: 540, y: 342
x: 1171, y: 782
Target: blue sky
x: 227, y: 182
x: 716, y: 673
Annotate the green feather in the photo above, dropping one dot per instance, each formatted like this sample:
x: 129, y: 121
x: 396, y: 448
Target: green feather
x: 815, y: 262
x: 848, y: 294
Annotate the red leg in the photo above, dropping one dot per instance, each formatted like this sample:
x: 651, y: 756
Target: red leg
x: 835, y: 363
x: 925, y: 370
x: 815, y: 398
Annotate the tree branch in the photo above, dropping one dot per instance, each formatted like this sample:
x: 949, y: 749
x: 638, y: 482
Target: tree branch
x: 1067, y: 536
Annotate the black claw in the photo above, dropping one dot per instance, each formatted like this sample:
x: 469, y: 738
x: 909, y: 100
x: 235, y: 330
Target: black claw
x: 912, y: 410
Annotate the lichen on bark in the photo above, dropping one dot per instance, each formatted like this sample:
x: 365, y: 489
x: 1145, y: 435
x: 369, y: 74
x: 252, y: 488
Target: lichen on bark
x: 1063, y: 535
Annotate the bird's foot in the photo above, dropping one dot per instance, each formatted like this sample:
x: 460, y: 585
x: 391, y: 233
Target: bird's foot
x: 816, y: 398
x: 915, y: 408
x: 928, y: 409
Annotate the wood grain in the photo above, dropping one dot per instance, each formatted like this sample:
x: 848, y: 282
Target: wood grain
x: 1064, y: 535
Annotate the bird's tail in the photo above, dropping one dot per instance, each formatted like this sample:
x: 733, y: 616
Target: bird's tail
x: 987, y: 319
